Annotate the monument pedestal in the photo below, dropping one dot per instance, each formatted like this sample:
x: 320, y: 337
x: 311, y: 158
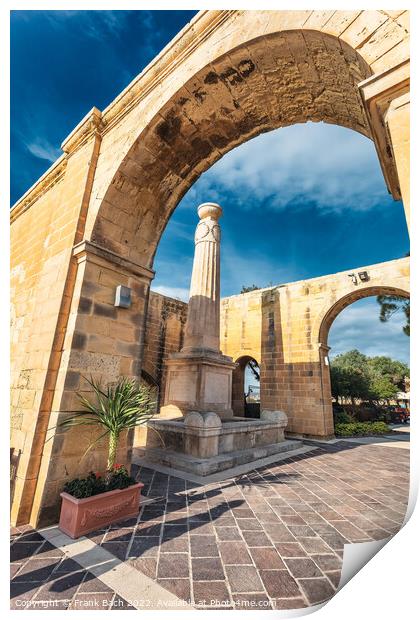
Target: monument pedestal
x: 202, y: 444
x: 196, y: 431
x: 198, y: 382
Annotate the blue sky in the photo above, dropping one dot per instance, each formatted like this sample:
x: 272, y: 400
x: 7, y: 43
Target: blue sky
x: 298, y: 202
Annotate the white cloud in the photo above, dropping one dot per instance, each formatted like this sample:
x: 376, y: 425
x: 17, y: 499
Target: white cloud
x: 173, y: 291
x: 94, y: 23
x: 334, y: 167
x: 43, y: 149
x: 179, y: 230
x: 358, y: 327
x: 252, y: 267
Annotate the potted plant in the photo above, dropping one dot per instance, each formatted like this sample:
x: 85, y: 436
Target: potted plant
x: 97, y: 501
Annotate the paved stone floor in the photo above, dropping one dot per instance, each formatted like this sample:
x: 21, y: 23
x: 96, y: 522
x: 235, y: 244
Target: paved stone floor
x: 43, y: 578
x: 271, y: 539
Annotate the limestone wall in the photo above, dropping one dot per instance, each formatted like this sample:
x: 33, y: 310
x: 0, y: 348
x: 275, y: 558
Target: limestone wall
x: 34, y: 284
x: 44, y: 227
x: 165, y: 321
x: 285, y: 329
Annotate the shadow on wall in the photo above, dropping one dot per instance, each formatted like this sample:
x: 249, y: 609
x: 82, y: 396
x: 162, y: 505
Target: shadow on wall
x: 14, y: 464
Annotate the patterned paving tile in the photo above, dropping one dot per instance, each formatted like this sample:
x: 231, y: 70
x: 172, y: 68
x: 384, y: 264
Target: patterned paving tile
x: 243, y: 578
x: 44, y: 578
x: 271, y: 539
x: 212, y: 595
x: 279, y: 532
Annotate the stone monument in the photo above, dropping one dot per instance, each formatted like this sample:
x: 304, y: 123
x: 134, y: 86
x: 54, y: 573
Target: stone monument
x: 196, y: 430
x: 199, y: 378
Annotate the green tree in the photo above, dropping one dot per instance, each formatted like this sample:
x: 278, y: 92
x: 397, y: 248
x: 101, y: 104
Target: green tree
x: 382, y: 388
x: 392, y: 304
x: 396, y: 372
x: 254, y: 287
x: 350, y: 376
x: 248, y: 289
x: 355, y: 376
x: 353, y: 360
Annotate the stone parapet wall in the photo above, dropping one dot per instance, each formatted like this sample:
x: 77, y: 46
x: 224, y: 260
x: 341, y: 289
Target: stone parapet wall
x: 45, y: 225
x: 285, y: 329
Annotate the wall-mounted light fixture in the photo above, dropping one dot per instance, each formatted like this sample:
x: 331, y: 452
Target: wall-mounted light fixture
x: 122, y: 296
x: 364, y: 276
x: 353, y: 277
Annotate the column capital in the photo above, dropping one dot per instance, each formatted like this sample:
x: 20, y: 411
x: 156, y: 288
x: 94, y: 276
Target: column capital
x: 209, y: 209
x: 208, y: 228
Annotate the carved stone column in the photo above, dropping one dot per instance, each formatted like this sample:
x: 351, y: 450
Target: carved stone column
x: 202, y: 331
x: 196, y: 431
x: 199, y: 378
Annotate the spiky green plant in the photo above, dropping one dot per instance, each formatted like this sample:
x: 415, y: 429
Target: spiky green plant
x: 116, y: 408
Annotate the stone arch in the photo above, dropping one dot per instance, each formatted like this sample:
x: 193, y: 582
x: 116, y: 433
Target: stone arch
x: 238, y: 383
x: 370, y: 291
x: 268, y: 82
x: 246, y: 74
x: 328, y: 319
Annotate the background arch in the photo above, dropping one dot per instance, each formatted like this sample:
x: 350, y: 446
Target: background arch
x: 350, y: 298
x: 238, y: 385
x: 326, y: 323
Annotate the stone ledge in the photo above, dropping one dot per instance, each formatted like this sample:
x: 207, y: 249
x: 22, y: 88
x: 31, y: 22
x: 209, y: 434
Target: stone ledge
x: 229, y: 425
x: 250, y: 457
x: 105, y: 257
x: 90, y: 124
x: 139, y: 458
x: 50, y: 177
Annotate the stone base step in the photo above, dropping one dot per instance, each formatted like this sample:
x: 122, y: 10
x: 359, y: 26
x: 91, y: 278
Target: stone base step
x: 216, y: 468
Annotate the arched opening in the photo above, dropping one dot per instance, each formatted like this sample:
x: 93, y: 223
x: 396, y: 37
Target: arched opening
x: 283, y: 78
x: 267, y: 82
x: 363, y: 405
x: 246, y: 388
x: 345, y: 301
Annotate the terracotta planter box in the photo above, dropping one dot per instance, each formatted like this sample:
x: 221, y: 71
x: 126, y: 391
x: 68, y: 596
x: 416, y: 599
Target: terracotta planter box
x: 81, y: 516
